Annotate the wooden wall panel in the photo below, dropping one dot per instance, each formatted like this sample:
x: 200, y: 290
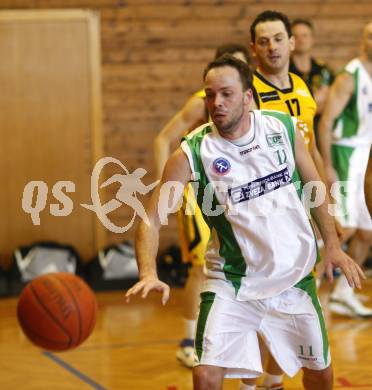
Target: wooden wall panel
x: 154, y: 51
x: 48, y: 123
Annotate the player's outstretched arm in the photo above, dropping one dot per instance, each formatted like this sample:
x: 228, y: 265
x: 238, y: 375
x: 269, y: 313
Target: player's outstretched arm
x: 177, y: 170
x: 339, y: 94
x: 192, y: 114
x: 335, y: 256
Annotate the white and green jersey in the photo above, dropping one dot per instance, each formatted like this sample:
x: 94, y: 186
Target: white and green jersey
x: 354, y: 126
x: 262, y: 242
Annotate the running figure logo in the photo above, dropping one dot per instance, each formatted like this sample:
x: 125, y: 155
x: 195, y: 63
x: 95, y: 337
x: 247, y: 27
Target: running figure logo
x: 221, y: 166
x: 130, y: 185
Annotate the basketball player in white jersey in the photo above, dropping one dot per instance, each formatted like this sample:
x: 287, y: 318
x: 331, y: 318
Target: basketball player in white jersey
x: 345, y: 132
x: 194, y: 233
x: 258, y: 263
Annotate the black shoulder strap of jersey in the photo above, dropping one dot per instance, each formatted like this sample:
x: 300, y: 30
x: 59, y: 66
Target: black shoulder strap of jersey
x: 255, y: 97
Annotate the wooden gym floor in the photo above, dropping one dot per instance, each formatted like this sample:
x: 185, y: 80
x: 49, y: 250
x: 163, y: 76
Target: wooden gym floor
x: 133, y: 348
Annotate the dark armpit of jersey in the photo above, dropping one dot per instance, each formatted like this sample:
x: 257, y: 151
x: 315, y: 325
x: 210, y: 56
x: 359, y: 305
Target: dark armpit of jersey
x: 320, y: 74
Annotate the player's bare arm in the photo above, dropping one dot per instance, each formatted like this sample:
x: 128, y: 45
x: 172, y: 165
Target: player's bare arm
x: 319, y: 164
x: 147, y: 235
x: 338, y: 97
x: 368, y: 184
x: 320, y: 96
x: 192, y: 114
x: 318, y: 160
x: 334, y: 257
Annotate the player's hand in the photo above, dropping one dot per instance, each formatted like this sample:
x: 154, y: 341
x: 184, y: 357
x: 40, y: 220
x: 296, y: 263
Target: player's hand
x: 147, y: 284
x: 338, y: 258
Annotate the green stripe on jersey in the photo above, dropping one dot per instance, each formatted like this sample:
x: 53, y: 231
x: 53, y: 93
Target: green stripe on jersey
x: 194, y: 142
x: 349, y: 118
x: 288, y: 124
x: 341, y: 156
x: 207, y: 299
x: 235, y: 265
x: 308, y: 285
x: 296, y: 177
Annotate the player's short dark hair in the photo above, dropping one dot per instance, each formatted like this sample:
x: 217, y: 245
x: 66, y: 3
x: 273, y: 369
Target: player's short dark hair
x: 232, y: 48
x: 270, y: 16
x: 306, y: 22
x: 244, y: 70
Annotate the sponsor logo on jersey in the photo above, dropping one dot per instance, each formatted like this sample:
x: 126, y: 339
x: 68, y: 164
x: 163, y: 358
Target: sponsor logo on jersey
x: 221, y: 166
x: 364, y: 90
x: 260, y: 186
x: 269, y: 96
x: 251, y: 149
x: 302, y: 92
x: 274, y: 139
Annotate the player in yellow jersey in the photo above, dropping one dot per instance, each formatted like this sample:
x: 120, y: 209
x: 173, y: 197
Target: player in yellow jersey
x: 277, y: 89
x: 194, y: 232
x: 274, y: 87
x: 296, y: 100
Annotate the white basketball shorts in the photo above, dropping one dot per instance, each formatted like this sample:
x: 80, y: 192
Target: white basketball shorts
x: 291, y: 324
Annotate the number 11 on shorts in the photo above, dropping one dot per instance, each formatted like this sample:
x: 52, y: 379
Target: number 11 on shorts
x: 302, y: 352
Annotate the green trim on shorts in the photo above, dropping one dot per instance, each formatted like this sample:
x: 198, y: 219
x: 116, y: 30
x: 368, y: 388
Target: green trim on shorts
x: 207, y: 299
x: 341, y: 156
x: 308, y: 285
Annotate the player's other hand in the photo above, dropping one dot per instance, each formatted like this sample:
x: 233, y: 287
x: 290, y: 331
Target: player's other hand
x: 338, y: 258
x: 147, y: 284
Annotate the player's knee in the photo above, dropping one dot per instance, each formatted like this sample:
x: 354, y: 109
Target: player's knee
x: 322, y: 377
x: 205, y: 378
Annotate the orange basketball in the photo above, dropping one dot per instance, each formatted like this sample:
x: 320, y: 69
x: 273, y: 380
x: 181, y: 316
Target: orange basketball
x: 57, y: 311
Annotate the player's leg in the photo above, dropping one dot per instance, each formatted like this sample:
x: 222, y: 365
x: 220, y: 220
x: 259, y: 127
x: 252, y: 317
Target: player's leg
x: 194, y: 235
x: 294, y: 331
x: 343, y: 299
x: 359, y: 245
x: 192, y: 295
x: 250, y: 383
x: 226, y: 337
x: 273, y: 376
x: 271, y: 379
x: 208, y: 377
x: 318, y: 379
x: 191, y: 299
x: 368, y: 183
x: 350, y: 164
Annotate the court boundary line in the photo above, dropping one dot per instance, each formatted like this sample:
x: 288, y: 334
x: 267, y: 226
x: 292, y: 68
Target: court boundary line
x: 74, y: 371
